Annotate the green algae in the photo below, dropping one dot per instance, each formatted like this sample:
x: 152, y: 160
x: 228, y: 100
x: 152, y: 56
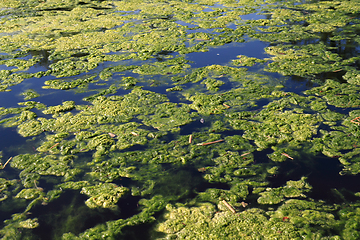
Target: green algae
x: 104, y: 195
x: 6, y: 188
x: 205, y: 222
x: 293, y: 189
x: 219, y: 103
x: 279, y: 127
x: 29, y: 193
x: 7, y: 79
x: 246, y: 61
x: 63, y: 84
x: 66, y: 106
x: 168, y: 116
x: 212, y: 84
x: 309, y: 60
x: 176, y: 88
x: 18, y: 221
x: 30, y: 94
x: 294, y: 219
x: 80, y: 37
x: 337, y: 94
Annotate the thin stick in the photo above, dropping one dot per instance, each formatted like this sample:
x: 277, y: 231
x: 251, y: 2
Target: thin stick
x: 54, y: 145
x: 190, y: 139
x: 356, y: 120
x: 244, y: 154
x: 226, y: 105
x: 208, y: 143
x: 244, y: 204
x: 287, y: 155
x: 7, y: 162
x: 39, y: 188
x: 228, y: 206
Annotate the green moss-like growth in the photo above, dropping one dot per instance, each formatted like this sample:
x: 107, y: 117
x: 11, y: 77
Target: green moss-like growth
x: 104, y: 195
x: 206, y: 223
x: 293, y: 189
x: 168, y: 116
x: 43, y: 165
x: 6, y: 188
x: 337, y: 94
x: 310, y: 59
x: 105, y: 51
x: 246, y: 61
x: 276, y: 127
x: 66, y: 106
x: 30, y: 94
x: 64, y: 84
x: 30, y: 128
x: 31, y: 193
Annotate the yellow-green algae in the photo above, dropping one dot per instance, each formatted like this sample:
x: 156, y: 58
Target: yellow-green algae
x: 77, y: 37
x: 291, y: 190
x: 104, y: 195
x: 296, y: 219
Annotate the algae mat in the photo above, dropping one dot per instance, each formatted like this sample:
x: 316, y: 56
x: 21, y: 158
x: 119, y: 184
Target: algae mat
x: 193, y: 119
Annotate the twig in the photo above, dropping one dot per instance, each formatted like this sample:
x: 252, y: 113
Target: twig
x: 208, y: 143
x: 228, y: 206
x: 190, y: 138
x: 287, y: 155
x: 7, y: 162
x: 356, y: 120
x: 244, y: 154
x: 54, y: 145
x: 39, y: 188
x: 226, y: 105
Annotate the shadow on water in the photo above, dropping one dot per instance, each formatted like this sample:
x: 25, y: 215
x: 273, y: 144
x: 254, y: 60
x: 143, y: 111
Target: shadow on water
x: 323, y: 175
x: 70, y: 214
x: 183, y: 184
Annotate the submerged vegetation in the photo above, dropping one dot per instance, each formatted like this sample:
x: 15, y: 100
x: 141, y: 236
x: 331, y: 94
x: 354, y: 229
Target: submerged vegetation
x: 120, y: 126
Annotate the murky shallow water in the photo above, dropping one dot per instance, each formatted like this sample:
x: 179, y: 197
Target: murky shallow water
x: 132, y: 120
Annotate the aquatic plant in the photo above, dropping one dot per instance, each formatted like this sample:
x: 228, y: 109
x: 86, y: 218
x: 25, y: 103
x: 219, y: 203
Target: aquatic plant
x: 115, y: 109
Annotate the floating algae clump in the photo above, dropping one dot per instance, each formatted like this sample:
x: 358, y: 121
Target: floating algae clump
x: 30, y: 94
x: 6, y: 188
x: 30, y: 128
x: 196, y: 147
x: 292, y: 189
x: 337, y: 94
x: 66, y: 106
x: 104, y: 195
x: 275, y: 127
x: 246, y: 61
x: 294, y: 219
x: 43, y: 165
x: 64, y: 84
x: 304, y: 60
x: 31, y: 193
x: 167, y: 116
x: 205, y: 222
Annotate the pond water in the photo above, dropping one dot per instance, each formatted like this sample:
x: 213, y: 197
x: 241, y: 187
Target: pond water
x: 195, y: 119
